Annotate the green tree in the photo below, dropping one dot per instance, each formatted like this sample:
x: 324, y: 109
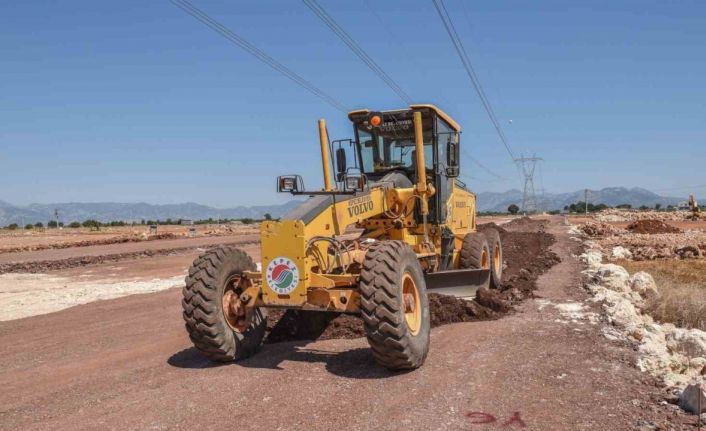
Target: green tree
x: 52, y: 224
x: 644, y: 208
x: 39, y: 225
x: 29, y: 226
x: 513, y: 209
x: 74, y: 224
x: 12, y: 226
x: 658, y: 206
x: 91, y: 223
x: 247, y: 221
x: 268, y: 216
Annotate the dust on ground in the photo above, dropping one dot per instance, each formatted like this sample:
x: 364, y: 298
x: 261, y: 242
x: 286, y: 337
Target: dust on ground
x: 21, y: 298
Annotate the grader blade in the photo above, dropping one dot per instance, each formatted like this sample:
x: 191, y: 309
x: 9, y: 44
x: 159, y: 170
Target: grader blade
x: 461, y: 283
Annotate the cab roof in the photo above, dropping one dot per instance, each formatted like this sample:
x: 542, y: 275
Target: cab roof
x: 454, y: 125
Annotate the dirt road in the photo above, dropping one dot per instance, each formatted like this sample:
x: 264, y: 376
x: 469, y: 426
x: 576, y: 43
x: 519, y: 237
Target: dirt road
x: 127, y: 364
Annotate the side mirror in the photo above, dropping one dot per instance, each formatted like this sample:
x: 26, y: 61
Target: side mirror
x: 452, y: 150
x: 340, y: 164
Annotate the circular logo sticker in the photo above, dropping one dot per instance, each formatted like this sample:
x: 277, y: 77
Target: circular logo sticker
x: 282, y: 275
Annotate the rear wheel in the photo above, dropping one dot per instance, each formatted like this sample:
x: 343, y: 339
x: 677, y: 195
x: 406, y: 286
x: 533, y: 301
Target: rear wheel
x: 211, y: 283
x: 475, y: 253
x: 496, y: 257
x: 394, y: 305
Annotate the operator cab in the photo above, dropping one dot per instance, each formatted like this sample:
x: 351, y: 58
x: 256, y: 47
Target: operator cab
x: 385, y: 144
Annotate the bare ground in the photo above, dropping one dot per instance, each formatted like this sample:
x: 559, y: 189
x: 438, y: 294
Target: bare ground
x: 127, y: 364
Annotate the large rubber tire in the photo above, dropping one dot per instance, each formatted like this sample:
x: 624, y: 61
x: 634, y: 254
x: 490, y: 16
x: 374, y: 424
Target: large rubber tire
x: 496, y: 257
x: 475, y: 253
x: 203, y: 307
x: 394, y: 344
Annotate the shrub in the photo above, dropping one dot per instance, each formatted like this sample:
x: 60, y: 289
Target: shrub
x: 52, y: 224
x: 29, y: 226
x: 38, y: 225
x: 12, y: 226
x: 74, y: 224
x: 513, y: 209
x: 91, y: 223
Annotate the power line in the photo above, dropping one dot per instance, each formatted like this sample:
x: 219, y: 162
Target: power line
x: 482, y: 166
x: 357, y: 50
x: 401, y: 48
x: 461, y: 51
x: 251, y: 49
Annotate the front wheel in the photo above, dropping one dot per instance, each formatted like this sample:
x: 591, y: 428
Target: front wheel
x: 394, y: 305
x: 212, y: 281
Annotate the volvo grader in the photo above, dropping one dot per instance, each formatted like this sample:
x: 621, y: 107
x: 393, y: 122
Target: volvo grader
x: 392, y: 223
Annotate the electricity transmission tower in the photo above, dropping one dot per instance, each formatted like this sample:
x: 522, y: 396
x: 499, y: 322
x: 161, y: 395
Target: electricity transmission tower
x: 529, y: 197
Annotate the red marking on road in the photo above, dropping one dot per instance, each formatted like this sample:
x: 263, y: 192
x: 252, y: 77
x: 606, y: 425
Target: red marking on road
x: 480, y: 418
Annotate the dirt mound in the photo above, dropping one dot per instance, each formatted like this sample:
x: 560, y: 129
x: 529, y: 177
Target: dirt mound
x: 41, y: 266
x: 485, y: 226
x: 90, y: 242
x: 524, y: 224
x: 652, y: 226
x: 527, y: 256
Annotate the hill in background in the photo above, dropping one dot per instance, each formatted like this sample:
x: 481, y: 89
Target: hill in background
x: 112, y: 211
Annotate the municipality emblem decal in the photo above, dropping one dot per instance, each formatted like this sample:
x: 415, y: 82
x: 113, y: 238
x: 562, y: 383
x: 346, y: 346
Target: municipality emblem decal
x: 282, y: 275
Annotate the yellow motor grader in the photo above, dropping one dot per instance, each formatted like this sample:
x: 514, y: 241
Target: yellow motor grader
x: 392, y: 223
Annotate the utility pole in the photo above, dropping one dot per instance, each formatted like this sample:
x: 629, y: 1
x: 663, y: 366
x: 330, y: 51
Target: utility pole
x: 56, y: 216
x: 585, y: 200
x: 529, y: 196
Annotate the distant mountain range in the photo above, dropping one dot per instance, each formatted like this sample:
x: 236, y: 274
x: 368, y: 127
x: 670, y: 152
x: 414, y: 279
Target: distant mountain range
x: 109, y: 211
x: 611, y: 196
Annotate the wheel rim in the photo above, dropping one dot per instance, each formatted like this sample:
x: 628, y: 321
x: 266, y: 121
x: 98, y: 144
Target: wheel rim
x: 497, y: 259
x: 485, y: 259
x: 412, y: 304
x: 231, y: 302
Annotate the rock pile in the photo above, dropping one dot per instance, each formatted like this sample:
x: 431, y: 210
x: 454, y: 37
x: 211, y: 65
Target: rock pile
x: 675, y: 355
x: 619, y: 215
x: 598, y: 229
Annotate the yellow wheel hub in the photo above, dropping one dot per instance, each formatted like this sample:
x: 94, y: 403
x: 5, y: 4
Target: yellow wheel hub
x: 496, y: 260
x: 485, y: 259
x: 412, y: 304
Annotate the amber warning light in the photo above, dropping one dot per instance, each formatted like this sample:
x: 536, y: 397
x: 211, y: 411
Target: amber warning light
x: 375, y: 120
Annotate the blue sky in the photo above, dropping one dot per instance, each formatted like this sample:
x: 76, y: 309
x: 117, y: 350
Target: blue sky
x: 137, y: 101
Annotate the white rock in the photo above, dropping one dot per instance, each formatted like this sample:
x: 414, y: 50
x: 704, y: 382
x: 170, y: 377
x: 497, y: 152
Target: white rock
x: 620, y: 252
x: 592, y: 259
x: 689, y: 342
x: 643, y: 283
x: 624, y: 315
x: 613, y: 277
x: 689, y: 399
